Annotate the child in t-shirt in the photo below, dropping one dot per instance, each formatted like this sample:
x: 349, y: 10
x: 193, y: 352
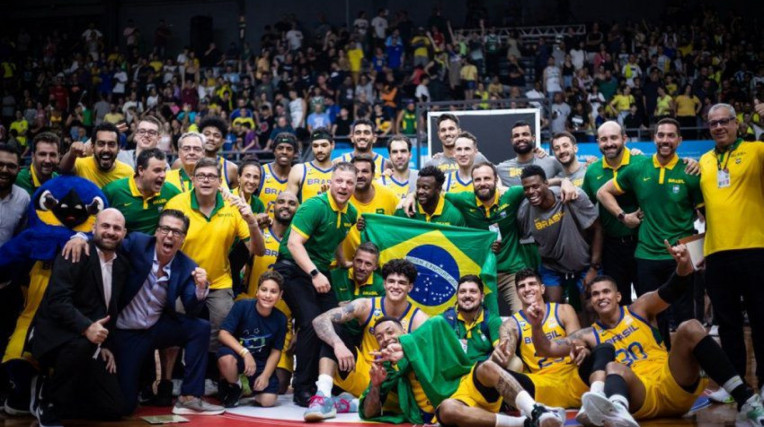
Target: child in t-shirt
x: 252, y: 338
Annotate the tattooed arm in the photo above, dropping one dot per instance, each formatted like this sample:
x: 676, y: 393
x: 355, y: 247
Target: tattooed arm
x: 372, y: 403
x: 507, y: 345
x: 564, y: 346
x: 324, y: 327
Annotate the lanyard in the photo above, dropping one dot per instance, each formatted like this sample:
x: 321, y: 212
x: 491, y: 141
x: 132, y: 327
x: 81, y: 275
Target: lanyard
x: 729, y: 152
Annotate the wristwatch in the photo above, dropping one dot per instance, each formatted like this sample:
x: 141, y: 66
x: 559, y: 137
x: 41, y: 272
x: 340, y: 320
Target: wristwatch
x: 621, y: 216
x: 314, y: 272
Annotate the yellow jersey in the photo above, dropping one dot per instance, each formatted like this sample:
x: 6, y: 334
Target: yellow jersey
x: 379, y: 162
x: 86, y: 167
x: 270, y: 188
x: 400, y: 188
x: 552, y: 329
x: 313, y: 178
x: 261, y: 264
x: 638, y: 344
x: 368, y: 342
x: 454, y: 184
x: 180, y: 179
x: 384, y: 203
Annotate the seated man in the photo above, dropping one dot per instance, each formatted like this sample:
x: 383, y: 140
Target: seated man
x: 647, y: 380
x: 359, y: 281
x: 398, y: 391
x: 352, y: 376
x: 252, y: 338
x: 71, y: 333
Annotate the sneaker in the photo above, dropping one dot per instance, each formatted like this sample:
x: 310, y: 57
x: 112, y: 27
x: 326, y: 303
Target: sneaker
x: 545, y: 416
x: 34, y: 395
x: 595, y: 406
x: 751, y: 413
x: 714, y: 331
x: 583, y: 418
x: 302, y: 398
x: 15, y: 406
x: 320, y: 408
x: 232, y: 395
x: 210, y: 387
x: 164, y: 394
x: 719, y: 396
x: 246, y: 389
x: 345, y: 403
x: 620, y: 417
x: 196, y: 406
x: 46, y: 416
x: 176, y: 386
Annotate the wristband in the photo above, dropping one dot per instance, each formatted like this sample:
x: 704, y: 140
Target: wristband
x: 243, y: 352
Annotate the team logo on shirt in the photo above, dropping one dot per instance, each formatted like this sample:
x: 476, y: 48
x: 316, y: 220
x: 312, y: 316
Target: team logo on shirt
x: 675, y: 189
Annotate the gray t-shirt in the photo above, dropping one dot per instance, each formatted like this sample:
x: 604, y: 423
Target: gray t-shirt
x: 559, y: 231
x: 447, y: 164
x: 577, y: 177
x: 510, y: 170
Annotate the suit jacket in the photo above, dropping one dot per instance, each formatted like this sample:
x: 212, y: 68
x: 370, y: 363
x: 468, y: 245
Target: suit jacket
x: 141, y: 248
x: 74, y: 299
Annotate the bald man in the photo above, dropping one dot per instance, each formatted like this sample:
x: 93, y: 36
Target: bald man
x: 71, y: 332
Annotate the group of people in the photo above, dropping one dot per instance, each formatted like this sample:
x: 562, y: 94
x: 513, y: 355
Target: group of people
x: 258, y: 277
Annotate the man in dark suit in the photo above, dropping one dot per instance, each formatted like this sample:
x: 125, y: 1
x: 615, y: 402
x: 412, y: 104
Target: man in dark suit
x: 71, y: 330
x: 160, y: 274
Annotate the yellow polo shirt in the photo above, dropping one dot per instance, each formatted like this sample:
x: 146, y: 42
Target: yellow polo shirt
x: 384, y: 203
x: 210, y: 238
x: 86, y: 167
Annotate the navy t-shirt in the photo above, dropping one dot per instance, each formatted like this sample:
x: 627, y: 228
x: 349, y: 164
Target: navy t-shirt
x: 257, y: 333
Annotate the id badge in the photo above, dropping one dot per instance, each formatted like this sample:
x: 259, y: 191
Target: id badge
x: 723, y: 178
x: 495, y: 227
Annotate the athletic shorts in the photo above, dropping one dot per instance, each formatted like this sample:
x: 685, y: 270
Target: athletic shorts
x: 356, y: 381
x: 273, y: 381
x: 663, y: 396
x: 475, y: 395
x: 559, y: 385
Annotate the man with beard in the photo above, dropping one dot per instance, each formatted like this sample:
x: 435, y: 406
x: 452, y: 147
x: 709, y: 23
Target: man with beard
x: 45, y: 158
x: 565, y: 149
x: 310, y: 178
x: 402, y: 176
x: 465, y: 150
x: 667, y: 197
x: 475, y: 327
x: 359, y: 280
x: 346, y: 359
x: 142, y: 196
x: 731, y: 181
x: 283, y: 208
x: 13, y: 199
x: 102, y: 167
x: 524, y: 144
x: 275, y: 175
x: 71, y: 330
x: 448, y: 130
x: 305, y: 253
x: 214, y: 130
x: 486, y: 209
x: 363, y: 137
x: 146, y: 136
x: 430, y: 205
x: 369, y: 197
x: 214, y: 225
x: 647, y: 380
x: 568, y: 235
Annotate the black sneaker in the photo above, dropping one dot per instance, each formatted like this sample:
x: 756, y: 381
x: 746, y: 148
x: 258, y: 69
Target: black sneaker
x: 46, y: 415
x: 35, y: 394
x: 302, y: 398
x: 232, y: 395
x: 164, y: 394
x: 16, y: 405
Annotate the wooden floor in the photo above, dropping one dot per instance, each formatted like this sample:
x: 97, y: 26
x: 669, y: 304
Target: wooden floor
x: 715, y: 415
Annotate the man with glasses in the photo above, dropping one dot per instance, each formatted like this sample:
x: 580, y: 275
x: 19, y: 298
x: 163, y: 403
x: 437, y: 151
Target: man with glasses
x: 102, y: 167
x: 214, y: 225
x: 146, y: 136
x: 732, y: 182
x: 160, y: 273
x: 142, y: 196
x: 190, y: 150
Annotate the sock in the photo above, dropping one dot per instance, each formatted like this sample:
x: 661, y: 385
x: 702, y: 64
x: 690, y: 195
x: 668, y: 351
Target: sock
x: 325, y: 384
x: 717, y: 365
x: 598, y: 387
x: 524, y: 402
x: 509, y: 421
x: 616, y: 389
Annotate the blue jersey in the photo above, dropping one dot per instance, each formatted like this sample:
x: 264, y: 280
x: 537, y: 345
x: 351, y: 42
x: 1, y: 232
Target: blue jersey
x: 256, y: 333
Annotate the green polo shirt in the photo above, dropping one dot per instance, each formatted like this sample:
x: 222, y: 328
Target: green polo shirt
x: 346, y: 290
x: 28, y: 180
x: 502, y: 211
x: 141, y: 213
x: 668, y: 197
x: 445, y: 213
x: 597, y: 174
x: 324, y: 225
x: 479, y: 345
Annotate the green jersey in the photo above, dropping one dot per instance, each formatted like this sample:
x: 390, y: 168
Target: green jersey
x: 141, y: 213
x: 28, y: 179
x: 445, y: 213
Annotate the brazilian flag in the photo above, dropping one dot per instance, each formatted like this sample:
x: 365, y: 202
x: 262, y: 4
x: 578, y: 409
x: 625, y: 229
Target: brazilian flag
x: 441, y: 253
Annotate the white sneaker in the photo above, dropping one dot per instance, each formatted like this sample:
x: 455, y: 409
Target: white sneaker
x: 719, y: 396
x: 583, y: 418
x: 210, y: 387
x: 545, y: 416
x: 714, y: 331
x: 620, y: 417
x: 595, y: 406
x: 751, y: 413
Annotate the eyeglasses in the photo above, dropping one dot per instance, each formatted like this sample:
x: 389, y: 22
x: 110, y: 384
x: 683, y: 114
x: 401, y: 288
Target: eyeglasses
x: 206, y: 177
x: 149, y: 132
x: 721, y: 122
x: 10, y: 166
x: 188, y: 148
x: 169, y: 230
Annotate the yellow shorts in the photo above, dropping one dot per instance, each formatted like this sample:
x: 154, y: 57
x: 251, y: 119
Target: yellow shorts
x: 39, y: 277
x: 356, y: 381
x: 473, y: 394
x: 286, y: 361
x: 559, y: 385
x: 663, y: 396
